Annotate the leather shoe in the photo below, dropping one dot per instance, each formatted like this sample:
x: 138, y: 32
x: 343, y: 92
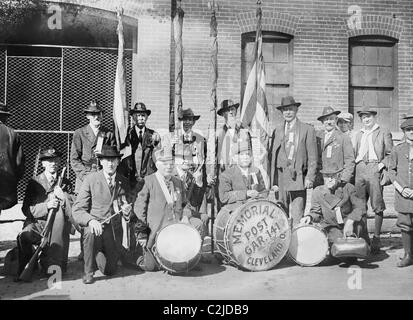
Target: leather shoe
x: 375, y: 245
x: 406, y: 261
x: 88, y: 279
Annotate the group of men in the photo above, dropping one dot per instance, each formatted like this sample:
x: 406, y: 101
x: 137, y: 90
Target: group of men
x: 120, y: 203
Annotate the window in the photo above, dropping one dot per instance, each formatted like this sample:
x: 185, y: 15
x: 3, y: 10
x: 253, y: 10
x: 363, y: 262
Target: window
x: 373, y: 78
x: 277, y: 54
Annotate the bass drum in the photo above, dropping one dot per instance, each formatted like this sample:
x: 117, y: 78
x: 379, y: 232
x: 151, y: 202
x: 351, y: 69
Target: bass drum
x: 309, y: 245
x: 177, y: 247
x: 254, y: 237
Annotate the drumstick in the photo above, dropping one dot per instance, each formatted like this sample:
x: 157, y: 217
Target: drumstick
x: 107, y: 219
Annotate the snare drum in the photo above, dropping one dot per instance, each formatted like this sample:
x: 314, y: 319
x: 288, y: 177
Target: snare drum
x: 309, y: 245
x: 178, y: 247
x: 254, y: 237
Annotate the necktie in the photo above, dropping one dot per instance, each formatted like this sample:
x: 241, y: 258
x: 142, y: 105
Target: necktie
x: 110, y: 183
x: 138, y: 155
x: 140, y: 136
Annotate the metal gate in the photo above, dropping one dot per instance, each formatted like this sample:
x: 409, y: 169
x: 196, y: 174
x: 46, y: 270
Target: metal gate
x: 47, y: 88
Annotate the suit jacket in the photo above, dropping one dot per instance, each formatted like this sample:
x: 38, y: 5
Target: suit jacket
x: 38, y: 193
x: 382, y: 142
x: 82, y: 156
x: 233, y: 186
x: 152, y: 210
x: 323, y: 204
x: 305, y: 162
x: 401, y: 170
x: 94, y: 200
x: 342, y: 153
x: 127, y: 166
x: 12, y: 163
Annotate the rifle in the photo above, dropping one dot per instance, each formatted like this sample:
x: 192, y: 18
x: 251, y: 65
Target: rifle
x: 27, y: 272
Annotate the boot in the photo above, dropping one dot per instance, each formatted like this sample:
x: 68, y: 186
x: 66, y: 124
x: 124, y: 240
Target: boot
x: 375, y: 245
x: 407, y: 245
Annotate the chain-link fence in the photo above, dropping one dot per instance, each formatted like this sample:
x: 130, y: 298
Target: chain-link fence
x: 46, y: 91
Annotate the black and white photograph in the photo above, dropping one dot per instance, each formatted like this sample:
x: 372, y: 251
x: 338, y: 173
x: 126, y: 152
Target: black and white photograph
x: 206, y: 154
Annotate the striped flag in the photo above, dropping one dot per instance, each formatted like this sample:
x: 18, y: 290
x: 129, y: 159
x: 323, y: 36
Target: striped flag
x: 120, y: 109
x: 254, y: 104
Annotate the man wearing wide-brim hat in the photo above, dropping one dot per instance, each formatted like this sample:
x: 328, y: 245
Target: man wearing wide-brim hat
x: 102, y: 194
x: 293, y: 159
x: 336, y: 207
x: 86, y: 142
x: 12, y: 161
x: 334, y: 147
x: 373, y: 145
x: 142, y: 141
x: 159, y: 203
x: 44, y: 194
x: 401, y: 175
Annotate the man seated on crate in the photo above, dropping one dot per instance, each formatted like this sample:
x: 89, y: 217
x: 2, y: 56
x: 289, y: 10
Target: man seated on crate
x: 337, y: 208
x: 242, y: 181
x: 46, y: 192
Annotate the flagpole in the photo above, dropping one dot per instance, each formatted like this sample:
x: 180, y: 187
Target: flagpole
x: 211, y: 146
x: 178, y: 25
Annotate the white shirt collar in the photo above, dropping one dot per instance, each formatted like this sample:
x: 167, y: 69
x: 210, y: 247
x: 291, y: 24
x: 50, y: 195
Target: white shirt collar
x: 108, y: 177
x: 139, y: 129
x: 292, y: 123
x: 188, y: 134
x: 376, y: 126
x: 94, y: 129
x: 244, y: 171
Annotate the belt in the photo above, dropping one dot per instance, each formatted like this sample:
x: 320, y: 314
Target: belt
x: 368, y: 161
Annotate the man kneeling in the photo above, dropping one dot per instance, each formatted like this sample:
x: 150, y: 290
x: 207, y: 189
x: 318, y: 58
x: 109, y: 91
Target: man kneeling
x: 159, y: 204
x: 92, y: 210
x: 337, y: 208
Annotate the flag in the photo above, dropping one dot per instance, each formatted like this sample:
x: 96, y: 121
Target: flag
x: 120, y: 109
x: 254, y: 104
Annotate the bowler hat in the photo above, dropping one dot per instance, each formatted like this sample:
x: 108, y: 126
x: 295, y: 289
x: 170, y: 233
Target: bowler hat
x: 139, y: 107
x: 109, y: 152
x: 93, y: 107
x: 407, y: 124
x: 49, y: 153
x: 327, y: 111
x: 226, y: 105
x: 331, y: 170
x: 288, y: 101
x: 346, y: 116
x: 162, y: 154
x: 188, y: 114
x: 4, y: 109
x: 366, y: 110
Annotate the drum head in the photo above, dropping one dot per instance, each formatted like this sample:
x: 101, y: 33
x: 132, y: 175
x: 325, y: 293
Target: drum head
x: 258, y: 235
x: 178, y: 242
x: 308, y: 246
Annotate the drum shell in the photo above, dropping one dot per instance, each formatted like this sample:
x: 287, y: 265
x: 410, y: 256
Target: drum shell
x: 226, y: 224
x: 323, y: 249
x: 176, y: 267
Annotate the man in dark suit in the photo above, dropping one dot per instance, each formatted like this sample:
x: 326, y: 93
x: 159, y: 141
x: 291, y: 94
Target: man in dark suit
x: 293, y: 159
x: 242, y: 181
x: 373, y: 145
x: 11, y: 161
x: 334, y: 147
x: 159, y: 203
x: 87, y: 142
x: 42, y: 195
x: 102, y: 194
x: 401, y: 175
x: 142, y: 141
